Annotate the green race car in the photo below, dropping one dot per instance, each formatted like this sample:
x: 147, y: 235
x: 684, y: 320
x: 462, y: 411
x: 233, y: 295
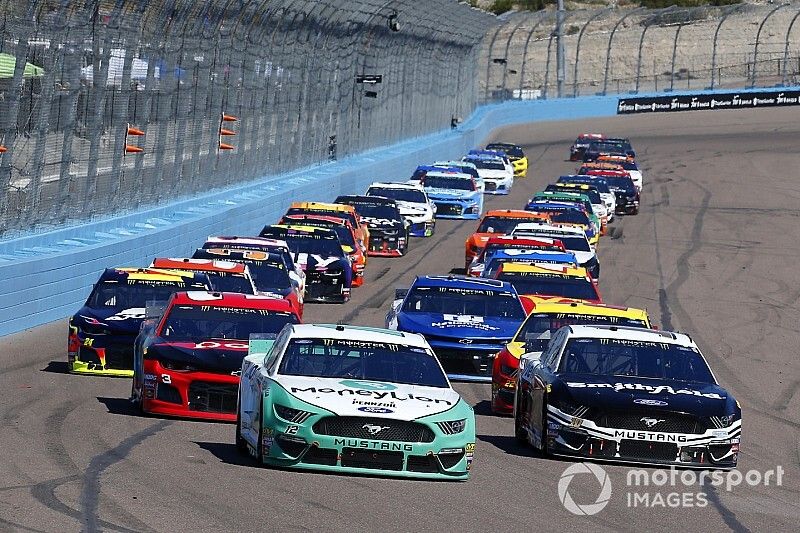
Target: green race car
x: 353, y: 399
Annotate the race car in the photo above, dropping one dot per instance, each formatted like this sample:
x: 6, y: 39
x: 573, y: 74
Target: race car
x: 534, y: 334
x: 347, y: 238
x: 413, y: 203
x: 466, y: 320
x: 188, y: 358
x: 596, y: 202
x: 389, y: 231
x: 508, y: 242
x: 329, y: 273
x: 554, y: 193
x: 454, y: 194
x: 573, y: 238
x: 515, y: 154
x: 225, y: 276
x: 496, y: 171
x: 273, y: 246
x: 599, y: 184
x: 333, y: 209
x: 578, y: 148
x: 624, y: 189
x: 621, y: 394
x: 623, y: 165
x: 526, y: 257
x: 550, y: 282
x: 270, y: 275
x: 102, y: 332
x: 608, y: 147
x: 497, y: 222
x: 353, y: 400
x: 567, y: 213
x: 463, y: 167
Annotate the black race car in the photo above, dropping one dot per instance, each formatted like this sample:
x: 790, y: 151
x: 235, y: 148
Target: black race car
x: 626, y: 394
x: 388, y: 229
x: 609, y: 148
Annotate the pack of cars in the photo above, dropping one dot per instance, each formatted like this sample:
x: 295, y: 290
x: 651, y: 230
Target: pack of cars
x: 218, y: 336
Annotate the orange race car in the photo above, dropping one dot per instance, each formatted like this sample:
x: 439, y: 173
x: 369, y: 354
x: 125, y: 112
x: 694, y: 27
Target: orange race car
x: 325, y: 208
x: 347, y: 237
x: 494, y: 223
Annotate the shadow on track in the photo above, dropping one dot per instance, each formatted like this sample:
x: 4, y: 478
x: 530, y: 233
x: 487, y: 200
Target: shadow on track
x: 56, y: 367
x: 120, y: 406
x: 227, y: 453
x: 509, y: 444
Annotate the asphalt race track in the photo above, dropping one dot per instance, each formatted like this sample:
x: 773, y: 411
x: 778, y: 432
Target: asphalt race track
x: 714, y: 253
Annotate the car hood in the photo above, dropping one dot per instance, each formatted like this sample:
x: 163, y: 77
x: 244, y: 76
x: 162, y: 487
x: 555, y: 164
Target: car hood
x: 374, y: 399
x: 494, y: 174
x: 582, y: 256
x: 449, y: 194
x: 409, y: 209
x: 458, y: 326
x: 120, y: 321
x: 632, y: 394
x: 312, y: 262
x: 382, y: 223
x: 222, y: 355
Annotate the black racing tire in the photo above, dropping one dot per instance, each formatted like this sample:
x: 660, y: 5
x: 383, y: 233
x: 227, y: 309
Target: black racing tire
x: 241, y: 444
x: 519, y: 433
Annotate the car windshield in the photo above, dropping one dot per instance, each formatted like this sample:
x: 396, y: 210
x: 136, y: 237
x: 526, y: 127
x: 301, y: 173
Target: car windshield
x: 599, y: 184
x: 211, y: 322
x: 572, y: 242
x: 267, y: 274
x: 324, y: 212
x: 629, y: 358
x: 609, y: 147
x: 621, y: 182
x: 490, y: 249
x: 551, y: 285
x: 488, y: 164
x: 539, y: 327
x: 578, y: 202
x: 342, y: 232
x: 629, y: 165
x: 495, y: 263
x: 502, y: 225
x: 570, y: 216
x: 225, y: 282
x: 594, y: 197
x: 122, y: 295
x: 514, y: 151
x: 362, y: 360
x: 324, y: 244
x: 455, y: 301
x: 403, y: 195
x: 448, y: 182
x: 374, y: 210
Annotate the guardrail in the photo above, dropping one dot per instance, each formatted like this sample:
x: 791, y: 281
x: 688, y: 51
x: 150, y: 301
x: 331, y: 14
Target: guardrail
x: 48, y: 276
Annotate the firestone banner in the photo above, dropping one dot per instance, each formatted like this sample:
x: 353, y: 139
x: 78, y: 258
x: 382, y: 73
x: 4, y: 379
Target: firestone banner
x: 695, y: 102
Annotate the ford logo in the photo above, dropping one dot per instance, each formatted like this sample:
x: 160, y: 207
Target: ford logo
x: 645, y: 401
x: 380, y: 410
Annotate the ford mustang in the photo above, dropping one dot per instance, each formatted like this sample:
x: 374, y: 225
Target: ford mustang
x: 352, y: 399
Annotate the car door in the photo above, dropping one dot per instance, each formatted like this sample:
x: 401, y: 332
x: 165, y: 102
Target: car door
x: 541, y: 380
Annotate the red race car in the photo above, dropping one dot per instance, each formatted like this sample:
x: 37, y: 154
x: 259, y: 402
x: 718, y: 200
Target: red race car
x: 187, y: 360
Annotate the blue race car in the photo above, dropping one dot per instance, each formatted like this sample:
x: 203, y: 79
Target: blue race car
x: 455, y: 194
x: 531, y: 257
x: 566, y: 213
x: 465, y: 320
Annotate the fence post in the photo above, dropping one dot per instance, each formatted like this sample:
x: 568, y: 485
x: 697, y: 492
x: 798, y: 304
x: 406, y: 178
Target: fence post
x: 543, y: 16
x: 578, y: 49
x: 508, y: 44
x: 758, y: 38
x: 611, y: 40
x: 786, y: 50
x: 714, y: 45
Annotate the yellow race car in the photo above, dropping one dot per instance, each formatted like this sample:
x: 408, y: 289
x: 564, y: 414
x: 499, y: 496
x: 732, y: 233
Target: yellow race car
x: 515, y: 154
x: 535, y: 332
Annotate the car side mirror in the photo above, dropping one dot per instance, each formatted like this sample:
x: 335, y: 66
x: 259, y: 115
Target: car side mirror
x: 400, y: 293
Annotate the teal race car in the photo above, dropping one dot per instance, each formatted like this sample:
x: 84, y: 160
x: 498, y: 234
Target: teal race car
x: 352, y: 399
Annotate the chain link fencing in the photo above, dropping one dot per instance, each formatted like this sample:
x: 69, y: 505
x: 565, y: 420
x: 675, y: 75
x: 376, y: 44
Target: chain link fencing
x: 642, y: 50
x: 305, y: 81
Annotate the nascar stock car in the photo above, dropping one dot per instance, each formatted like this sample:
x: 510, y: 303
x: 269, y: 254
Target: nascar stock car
x: 509, y: 242
x: 535, y: 332
x: 550, y: 282
x: 275, y: 246
x: 455, y: 194
x: 596, y: 183
x: 466, y: 320
x: 596, y: 205
x: 187, y: 358
x: 573, y: 238
x: 608, y: 148
x: 495, y: 170
x: 270, y: 276
x: 514, y: 153
x: 225, y: 276
x: 497, y: 222
x: 464, y: 168
x: 579, y: 200
x: 332, y: 209
x: 580, y: 145
x: 329, y: 273
x: 626, y: 395
x: 389, y: 230
x: 413, y: 203
x: 102, y: 332
x: 347, y: 238
x: 527, y: 257
x: 352, y: 399
x: 567, y: 213
x: 621, y: 184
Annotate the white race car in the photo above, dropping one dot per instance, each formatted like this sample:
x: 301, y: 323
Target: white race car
x: 497, y: 172
x: 413, y: 203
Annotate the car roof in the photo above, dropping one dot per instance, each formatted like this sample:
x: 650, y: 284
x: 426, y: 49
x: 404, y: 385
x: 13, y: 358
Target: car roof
x: 200, y: 265
x: 448, y: 174
x: 233, y: 299
x: 553, y: 228
x: 237, y: 255
x: 265, y: 241
x: 366, y: 199
x: 561, y: 271
x: 514, y: 213
x: 630, y: 333
x: 523, y: 253
x: 165, y: 275
x: 339, y: 221
x: 357, y: 333
x: 322, y: 206
x: 300, y: 228
x: 463, y: 282
x: 522, y: 241
x: 396, y: 185
x: 583, y: 308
